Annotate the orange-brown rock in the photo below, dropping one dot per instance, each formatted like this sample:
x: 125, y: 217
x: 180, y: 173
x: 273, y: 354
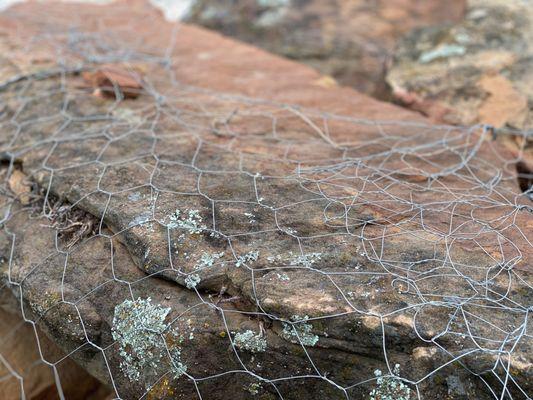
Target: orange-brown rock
x: 478, y: 70
x: 242, y: 192
x: 348, y: 40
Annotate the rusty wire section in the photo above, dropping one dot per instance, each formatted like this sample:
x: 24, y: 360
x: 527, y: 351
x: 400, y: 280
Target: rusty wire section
x: 374, y: 209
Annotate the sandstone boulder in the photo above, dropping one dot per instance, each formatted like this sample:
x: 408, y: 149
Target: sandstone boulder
x: 239, y: 230
x: 477, y: 70
x: 350, y: 41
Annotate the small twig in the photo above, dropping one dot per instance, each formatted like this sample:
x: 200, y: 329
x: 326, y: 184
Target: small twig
x: 314, y: 126
x: 40, y: 75
x: 232, y: 299
x: 226, y: 121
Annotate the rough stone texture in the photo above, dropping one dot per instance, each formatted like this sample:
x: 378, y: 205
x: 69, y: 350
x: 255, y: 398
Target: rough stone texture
x: 422, y: 231
x: 478, y: 70
x: 348, y: 40
x: 475, y: 71
x: 33, y: 378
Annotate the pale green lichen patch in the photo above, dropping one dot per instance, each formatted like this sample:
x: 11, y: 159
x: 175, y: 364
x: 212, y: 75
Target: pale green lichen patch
x: 247, y: 259
x: 283, y: 276
x: 390, y: 387
x: 191, y: 221
x: 191, y: 281
x: 306, y: 260
x: 141, y: 332
x: 299, y: 331
x: 250, y: 341
x: 254, y: 388
x: 300, y: 260
x: 208, y: 260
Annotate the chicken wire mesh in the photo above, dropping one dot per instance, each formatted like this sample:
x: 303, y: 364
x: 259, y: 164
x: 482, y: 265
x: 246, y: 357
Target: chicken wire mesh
x: 177, y: 241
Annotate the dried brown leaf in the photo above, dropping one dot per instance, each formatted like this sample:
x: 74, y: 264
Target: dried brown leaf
x: 20, y: 186
x: 108, y: 79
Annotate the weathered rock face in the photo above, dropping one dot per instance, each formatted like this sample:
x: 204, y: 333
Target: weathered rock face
x: 27, y: 374
x: 230, y: 232
x: 348, y: 40
x: 479, y: 70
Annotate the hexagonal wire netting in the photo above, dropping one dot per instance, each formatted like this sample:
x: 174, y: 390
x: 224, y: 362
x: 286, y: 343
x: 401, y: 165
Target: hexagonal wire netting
x: 172, y: 239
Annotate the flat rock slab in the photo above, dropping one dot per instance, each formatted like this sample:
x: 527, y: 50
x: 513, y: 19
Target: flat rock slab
x: 237, y: 229
x: 350, y: 41
x: 476, y: 70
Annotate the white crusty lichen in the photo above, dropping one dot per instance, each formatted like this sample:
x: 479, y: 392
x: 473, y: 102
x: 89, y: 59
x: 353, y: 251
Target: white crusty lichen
x: 140, y: 330
x: 254, y: 388
x: 246, y: 259
x: 390, y: 387
x: 289, y: 231
x: 191, y: 221
x: 296, y: 260
x: 144, y: 219
x: 275, y: 259
x: 251, y: 217
x: 250, y: 341
x: 306, y: 260
x: 208, y: 260
x: 299, y: 331
x: 283, y: 276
